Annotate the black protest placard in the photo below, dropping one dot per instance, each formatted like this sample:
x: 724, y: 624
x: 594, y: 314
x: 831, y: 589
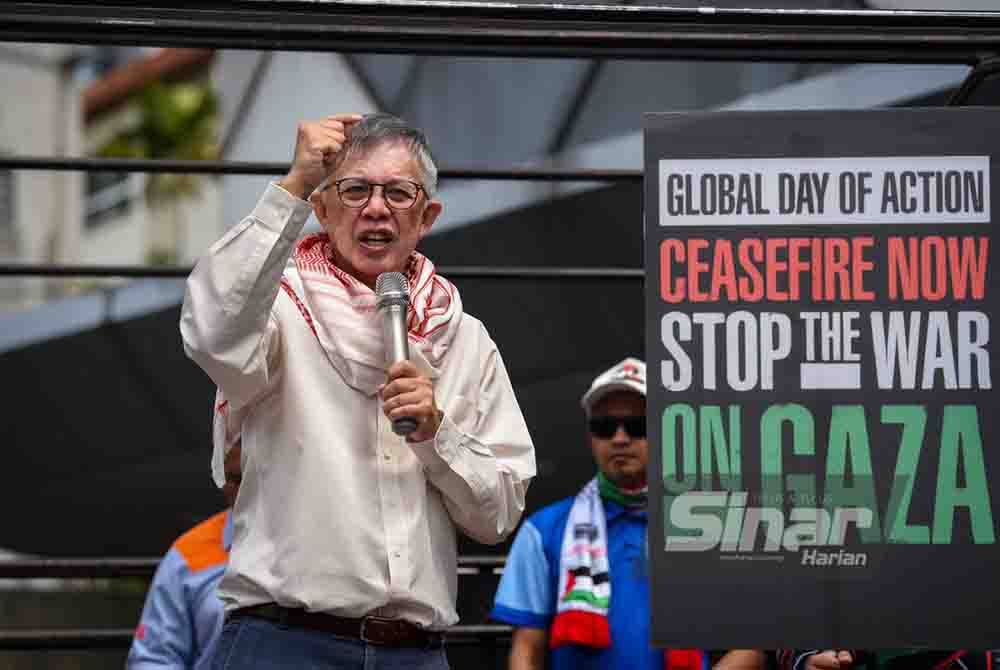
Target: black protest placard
x: 821, y: 406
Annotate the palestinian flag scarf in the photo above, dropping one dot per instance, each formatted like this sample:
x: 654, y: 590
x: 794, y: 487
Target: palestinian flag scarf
x: 584, y: 577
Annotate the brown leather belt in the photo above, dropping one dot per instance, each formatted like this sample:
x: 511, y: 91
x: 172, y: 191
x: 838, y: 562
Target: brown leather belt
x: 371, y: 629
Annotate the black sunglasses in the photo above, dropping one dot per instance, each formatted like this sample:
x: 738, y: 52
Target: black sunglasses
x: 605, y: 427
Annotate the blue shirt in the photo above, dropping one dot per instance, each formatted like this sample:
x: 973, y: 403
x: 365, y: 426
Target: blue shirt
x: 527, y: 593
x: 183, y: 615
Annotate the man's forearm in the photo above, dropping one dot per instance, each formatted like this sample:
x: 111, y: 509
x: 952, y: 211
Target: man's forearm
x: 231, y: 291
x: 527, y: 650
x: 742, y: 659
x: 526, y: 661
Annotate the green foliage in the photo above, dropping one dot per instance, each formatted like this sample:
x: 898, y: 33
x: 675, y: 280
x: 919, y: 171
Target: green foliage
x: 175, y: 121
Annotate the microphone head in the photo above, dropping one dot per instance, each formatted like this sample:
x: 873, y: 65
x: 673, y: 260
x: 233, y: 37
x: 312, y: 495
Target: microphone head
x: 391, y: 288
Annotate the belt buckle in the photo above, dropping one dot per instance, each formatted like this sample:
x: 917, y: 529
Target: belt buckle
x: 363, y: 633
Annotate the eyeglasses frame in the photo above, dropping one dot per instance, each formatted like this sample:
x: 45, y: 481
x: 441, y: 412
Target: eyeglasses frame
x: 372, y: 184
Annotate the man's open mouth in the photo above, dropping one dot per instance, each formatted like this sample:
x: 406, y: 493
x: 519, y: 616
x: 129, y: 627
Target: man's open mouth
x: 376, y: 239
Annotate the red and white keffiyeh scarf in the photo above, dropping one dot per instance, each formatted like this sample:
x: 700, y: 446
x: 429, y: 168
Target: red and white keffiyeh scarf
x: 341, y: 312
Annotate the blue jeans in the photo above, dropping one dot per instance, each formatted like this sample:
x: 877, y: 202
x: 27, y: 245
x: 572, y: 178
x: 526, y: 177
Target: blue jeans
x: 248, y: 642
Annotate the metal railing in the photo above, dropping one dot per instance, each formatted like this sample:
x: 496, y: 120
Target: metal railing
x: 90, y: 639
x: 454, y: 272
x: 268, y: 168
x: 113, y: 568
x: 71, y: 639
x: 546, y: 174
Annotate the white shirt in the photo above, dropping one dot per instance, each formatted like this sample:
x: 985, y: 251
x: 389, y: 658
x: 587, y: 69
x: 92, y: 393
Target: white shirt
x: 336, y: 513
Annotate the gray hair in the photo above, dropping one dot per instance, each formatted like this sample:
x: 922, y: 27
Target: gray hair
x: 376, y: 129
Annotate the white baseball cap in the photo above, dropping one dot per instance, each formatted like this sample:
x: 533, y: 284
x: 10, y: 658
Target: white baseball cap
x: 628, y: 375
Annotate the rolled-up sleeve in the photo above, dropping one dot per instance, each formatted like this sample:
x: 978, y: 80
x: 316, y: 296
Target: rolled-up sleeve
x: 483, y: 467
x: 226, y: 322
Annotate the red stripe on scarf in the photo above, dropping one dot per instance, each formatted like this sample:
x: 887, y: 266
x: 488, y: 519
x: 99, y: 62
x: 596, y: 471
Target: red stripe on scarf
x: 432, y: 311
x: 579, y: 627
x: 684, y: 659
x: 298, y: 303
x: 312, y: 254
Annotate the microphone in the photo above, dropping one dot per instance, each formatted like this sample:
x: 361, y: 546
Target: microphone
x: 393, y: 297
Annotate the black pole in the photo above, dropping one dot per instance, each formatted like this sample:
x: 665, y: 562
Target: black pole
x: 987, y: 68
x: 274, y: 169
x: 457, y: 272
x: 113, y: 568
x: 89, y: 639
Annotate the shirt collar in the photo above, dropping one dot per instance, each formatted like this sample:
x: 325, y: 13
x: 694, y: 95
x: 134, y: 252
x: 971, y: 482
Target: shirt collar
x: 227, y: 531
x: 613, y: 510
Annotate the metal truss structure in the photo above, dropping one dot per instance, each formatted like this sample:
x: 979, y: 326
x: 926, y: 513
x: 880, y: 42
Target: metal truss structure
x: 515, y: 29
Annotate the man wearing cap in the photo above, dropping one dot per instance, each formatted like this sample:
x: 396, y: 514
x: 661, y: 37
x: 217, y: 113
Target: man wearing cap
x: 576, y: 579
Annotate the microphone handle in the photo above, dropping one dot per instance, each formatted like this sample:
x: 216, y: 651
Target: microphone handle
x: 404, y: 425
x: 397, y: 349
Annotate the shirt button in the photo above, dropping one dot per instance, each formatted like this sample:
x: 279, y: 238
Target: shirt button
x: 396, y: 554
x: 388, y: 457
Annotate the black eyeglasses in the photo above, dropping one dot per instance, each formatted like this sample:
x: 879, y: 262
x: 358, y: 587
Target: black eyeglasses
x: 398, y: 194
x: 605, y: 427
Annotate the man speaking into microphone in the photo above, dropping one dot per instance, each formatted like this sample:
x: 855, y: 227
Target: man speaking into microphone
x: 360, y: 459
